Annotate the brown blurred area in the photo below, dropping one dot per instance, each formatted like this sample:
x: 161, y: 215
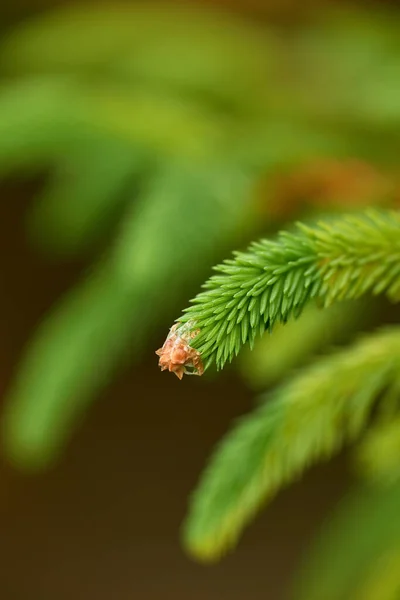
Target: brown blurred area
x: 104, y: 524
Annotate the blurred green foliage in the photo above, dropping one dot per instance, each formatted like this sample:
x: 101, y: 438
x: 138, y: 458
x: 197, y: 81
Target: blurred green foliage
x: 274, y: 356
x: 153, y: 125
x: 139, y: 170
x: 307, y: 419
x: 356, y: 553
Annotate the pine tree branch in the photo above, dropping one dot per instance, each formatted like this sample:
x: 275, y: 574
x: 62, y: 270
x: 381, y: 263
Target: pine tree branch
x: 305, y: 421
x: 274, y: 280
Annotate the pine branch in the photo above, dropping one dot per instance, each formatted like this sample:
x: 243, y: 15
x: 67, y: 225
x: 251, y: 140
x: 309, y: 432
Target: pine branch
x: 332, y: 261
x: 303, y: 422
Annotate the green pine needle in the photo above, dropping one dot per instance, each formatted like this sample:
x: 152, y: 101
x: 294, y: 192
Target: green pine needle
x: 335, y: 260
x: 305, y: 421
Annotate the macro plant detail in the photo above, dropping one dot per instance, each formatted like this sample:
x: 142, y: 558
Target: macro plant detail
x: 177, y: 356
x: 335, y: 260
x: 157, y: 138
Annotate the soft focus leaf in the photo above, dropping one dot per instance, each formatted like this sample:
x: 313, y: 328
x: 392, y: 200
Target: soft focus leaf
x: 361, y: 532
x: 378, y: 457
x: 293, y: 344
x: 164, y: 124
x: 37, y: 118
x: 85, y: 337
x: 185, y: 217
x: 86, y: 192
x: 197, y: 49
x: 304, y: 421
x: 73, y: 354
x: 382, y: 581
x: 348, y: 66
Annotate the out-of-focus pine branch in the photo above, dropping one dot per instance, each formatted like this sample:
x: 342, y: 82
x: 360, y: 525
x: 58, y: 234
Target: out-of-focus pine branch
x: 303, y: 422
x: 295, y: 343
x: 86, y: 195
x: 71, y: 356
x: 106, y: 320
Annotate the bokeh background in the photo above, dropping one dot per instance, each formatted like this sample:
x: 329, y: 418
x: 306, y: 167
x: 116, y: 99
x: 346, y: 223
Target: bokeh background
x: 103, y: 521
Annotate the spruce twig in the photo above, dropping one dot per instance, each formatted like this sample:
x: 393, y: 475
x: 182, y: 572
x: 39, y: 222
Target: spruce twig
x: 274, y: 280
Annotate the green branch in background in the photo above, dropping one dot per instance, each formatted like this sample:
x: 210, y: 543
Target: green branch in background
x: 295, y: 343
x: 39, y: 116
x: 357, y: 553
x: 86, y: 194
x: 335, y: 260
x: 383, y: 578
x: 305, y: 421
x: 108, y: 318
x: 71, y: 356
x: 378, y: 456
